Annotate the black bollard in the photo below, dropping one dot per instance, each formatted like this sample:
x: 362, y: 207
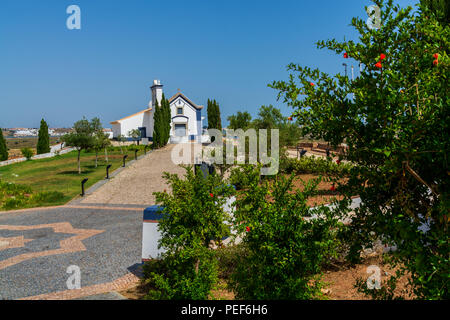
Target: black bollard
x: 302, y: 153
x: 124, y: 158
x: 107, y: 170
x: 82, y: 186
x: 135, y: 154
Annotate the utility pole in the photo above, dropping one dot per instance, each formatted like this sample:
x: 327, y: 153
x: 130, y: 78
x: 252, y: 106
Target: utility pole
x: 352, y: 81
x: 345, y: 65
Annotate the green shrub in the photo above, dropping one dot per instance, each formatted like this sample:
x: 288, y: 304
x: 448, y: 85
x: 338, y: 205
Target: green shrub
x: 27, y: 153
x: 14, y: 196
x: 239, y: 176
x: 133, y: 147
x: 313, y: 165
x: 189, y: 274
x: 193, y: 216
x: 14, y: 203
x: 285, y: 249
x: 228, y: 259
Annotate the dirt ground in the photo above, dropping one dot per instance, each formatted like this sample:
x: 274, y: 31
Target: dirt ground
x: 16, y: 144
x: 324, y: 196
x: 339, y: 283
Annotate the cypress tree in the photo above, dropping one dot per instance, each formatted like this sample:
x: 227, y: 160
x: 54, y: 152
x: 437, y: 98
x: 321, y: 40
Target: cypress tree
x: 213, y: 111
x: 210, y: 113
x: 167, y: 120
x: 217, y: 116
x: 157, y: 126
x: 3, y: 148
x: 43, y: 145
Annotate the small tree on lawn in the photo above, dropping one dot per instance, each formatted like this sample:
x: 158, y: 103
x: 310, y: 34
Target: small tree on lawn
x: 394, y: 117
x: 105, y: 142
x: 193, y: 216
x: 135, y: 134
x: 43, y: 145
x: 81, y: 138
x: 100, y: 139
x: 121, y: 139
x: 3, y: 147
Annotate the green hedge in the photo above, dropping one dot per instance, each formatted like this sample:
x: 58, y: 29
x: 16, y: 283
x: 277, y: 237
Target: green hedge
x: 313, y: 165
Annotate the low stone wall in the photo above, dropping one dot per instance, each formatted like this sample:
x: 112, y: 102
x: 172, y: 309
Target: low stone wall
x: 38, y: 156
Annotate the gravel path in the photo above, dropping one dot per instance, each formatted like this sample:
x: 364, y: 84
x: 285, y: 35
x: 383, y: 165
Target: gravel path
x: 136, y: 184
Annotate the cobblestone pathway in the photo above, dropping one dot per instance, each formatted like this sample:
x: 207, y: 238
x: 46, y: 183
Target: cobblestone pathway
x: 136, y: 184
x: 101, y: 234
x: 37, y: 247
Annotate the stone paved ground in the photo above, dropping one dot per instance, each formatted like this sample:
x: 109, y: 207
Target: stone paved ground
x: 104, y: 243
x: 137, y: 184
x: 101, y: 234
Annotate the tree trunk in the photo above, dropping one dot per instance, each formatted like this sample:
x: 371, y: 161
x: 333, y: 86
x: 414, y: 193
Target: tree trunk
x: 79, y: 161
x: 197, y: 265
x: 106, y: 155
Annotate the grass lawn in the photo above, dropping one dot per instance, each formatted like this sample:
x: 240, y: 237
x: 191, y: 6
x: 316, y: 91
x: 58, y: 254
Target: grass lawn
x: 60, y: 173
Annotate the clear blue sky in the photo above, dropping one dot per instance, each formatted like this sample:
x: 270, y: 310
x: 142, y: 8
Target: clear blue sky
x: 225, y: 50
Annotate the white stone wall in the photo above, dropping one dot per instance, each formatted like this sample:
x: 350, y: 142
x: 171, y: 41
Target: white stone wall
x: 144, y: 119
x: 38, y: 156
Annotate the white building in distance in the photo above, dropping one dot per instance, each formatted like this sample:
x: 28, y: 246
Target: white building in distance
x: 186, y: 117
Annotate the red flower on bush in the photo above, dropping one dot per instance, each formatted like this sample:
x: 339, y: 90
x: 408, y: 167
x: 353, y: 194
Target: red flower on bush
x: 312, y: 84
x: 382, y: 56
x: 338, y: 161
x: 333, y: 188
x: 436, y: 62
x: 211, y: 195
x: 345, y: 55
x: 436, y: 56
x: 247, y: 229
x: 378, y: 65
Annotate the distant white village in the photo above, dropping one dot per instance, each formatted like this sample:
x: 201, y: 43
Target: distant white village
x: 33, y: 132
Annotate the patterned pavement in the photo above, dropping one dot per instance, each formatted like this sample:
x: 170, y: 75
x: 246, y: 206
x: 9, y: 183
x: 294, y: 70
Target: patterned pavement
x: 38, y: 245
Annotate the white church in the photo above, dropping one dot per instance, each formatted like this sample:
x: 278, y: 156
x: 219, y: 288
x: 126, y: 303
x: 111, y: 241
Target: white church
x: 187, y: 120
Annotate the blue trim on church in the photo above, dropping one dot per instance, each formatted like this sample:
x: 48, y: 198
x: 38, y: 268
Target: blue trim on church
x: 199, y: 122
